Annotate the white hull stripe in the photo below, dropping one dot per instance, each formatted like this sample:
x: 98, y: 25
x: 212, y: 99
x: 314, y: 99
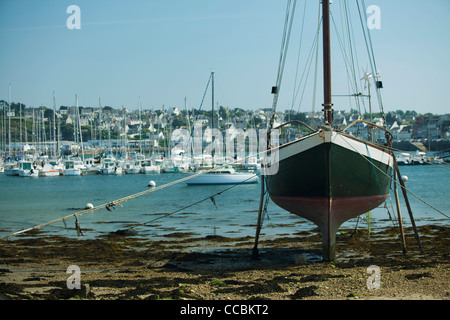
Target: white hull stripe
x: 339, y: 139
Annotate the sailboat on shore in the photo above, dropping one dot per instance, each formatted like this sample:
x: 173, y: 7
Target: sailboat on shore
x: 330, y: 176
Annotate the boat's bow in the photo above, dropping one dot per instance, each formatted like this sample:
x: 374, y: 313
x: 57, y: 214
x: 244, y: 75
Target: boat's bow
x: 329, y: 177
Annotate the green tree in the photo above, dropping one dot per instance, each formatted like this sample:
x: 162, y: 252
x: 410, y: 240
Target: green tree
x: 67, y: 132
x: 223, y: 112
x: 238, y: 112
x: 299, y: 116
x: 390, y: 117
x: 178, y: 121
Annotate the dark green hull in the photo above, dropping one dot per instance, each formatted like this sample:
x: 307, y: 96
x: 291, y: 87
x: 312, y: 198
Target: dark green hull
x: 329, y: 180
x: 329, y: 170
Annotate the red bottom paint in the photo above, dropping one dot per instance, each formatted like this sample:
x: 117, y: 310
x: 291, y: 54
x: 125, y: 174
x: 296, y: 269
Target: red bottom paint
x: 329, y: 213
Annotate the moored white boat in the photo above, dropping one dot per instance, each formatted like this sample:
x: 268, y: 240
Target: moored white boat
x: 148, y: 167
x: 403, y: 159
x: 28, y: 169
x: 109, y: 167
x: 90, y: 167
x: 71, y: 168
x: 49, y: 170
x: 12, y: 170
x: 225, y: 175
x: 132, y: 167
x: 252, y: 164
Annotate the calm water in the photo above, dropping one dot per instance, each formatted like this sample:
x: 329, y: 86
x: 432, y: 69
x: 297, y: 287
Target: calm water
x: 25, y: 202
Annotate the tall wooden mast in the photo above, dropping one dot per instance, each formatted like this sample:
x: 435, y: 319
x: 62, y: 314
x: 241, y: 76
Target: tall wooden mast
x: 212, y: 100
x: 328, y: 111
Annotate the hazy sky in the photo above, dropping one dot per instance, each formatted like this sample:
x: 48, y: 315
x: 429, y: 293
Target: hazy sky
x: 164, y: 51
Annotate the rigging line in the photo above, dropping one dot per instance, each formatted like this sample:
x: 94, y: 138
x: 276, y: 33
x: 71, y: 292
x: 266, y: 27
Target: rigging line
x: 287, y: 42
x: 375, y: 171
x: 283, y: 39
x: 351, y: 39
x: 345, y: 57
x: 265, y: 199
x: 349, y: 64
x: 409, y: 191
x: 426, y: 157
x: 346, y: 22
x: 192, y: 204
x: 299, y: 51
x: 392, y: 207
x: 313, y: 102
x: 306, y: 73
x: 286, y: 38
x: 370, y: 53
x: 307, y: 65
x: 392, y: 217
x: 370, y: 40
x: 204, y: 94
x: 431, y: 163
x: 283, y: 53
x: 444, y: 151
x: 437, y: 165
x: 191, y: 132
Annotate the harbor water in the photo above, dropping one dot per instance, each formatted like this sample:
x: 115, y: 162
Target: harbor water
x: 26, y: 202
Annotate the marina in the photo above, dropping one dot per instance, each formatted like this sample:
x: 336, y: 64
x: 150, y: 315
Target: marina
x: 26, y: 202
x: 176, y: 243
x: 220, y: 203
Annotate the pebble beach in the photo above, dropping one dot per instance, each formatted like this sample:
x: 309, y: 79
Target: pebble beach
x: 122, y: 266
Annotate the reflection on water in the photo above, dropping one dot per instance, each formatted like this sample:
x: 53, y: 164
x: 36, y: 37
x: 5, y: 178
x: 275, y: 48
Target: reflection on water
x: 25, y: 202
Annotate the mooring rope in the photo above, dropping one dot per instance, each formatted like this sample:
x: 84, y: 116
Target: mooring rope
x: 430, y: 159
x: 111, y: 205
x: 398, y: 183
x: 193, y: 204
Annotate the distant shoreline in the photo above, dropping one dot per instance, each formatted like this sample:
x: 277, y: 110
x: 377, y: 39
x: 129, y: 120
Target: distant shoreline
x: 415, y: 146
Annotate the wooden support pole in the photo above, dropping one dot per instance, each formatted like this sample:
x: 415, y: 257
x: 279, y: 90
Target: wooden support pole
x: 405, y: 196
x: 399, y: 213
x: 258, y: 225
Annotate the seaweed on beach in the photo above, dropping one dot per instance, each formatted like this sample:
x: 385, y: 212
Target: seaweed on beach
x: 125, y: 265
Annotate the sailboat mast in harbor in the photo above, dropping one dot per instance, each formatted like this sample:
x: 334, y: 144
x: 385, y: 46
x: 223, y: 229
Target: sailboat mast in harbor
x: 78, y: 120
x: 9, y: 120
x: 212, y: 118
x: 328, y: 105
x: 54, y: 127
x: 329, y: 176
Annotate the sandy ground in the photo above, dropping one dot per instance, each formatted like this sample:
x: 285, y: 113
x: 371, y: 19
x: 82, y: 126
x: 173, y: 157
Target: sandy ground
x: 121, y: 266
